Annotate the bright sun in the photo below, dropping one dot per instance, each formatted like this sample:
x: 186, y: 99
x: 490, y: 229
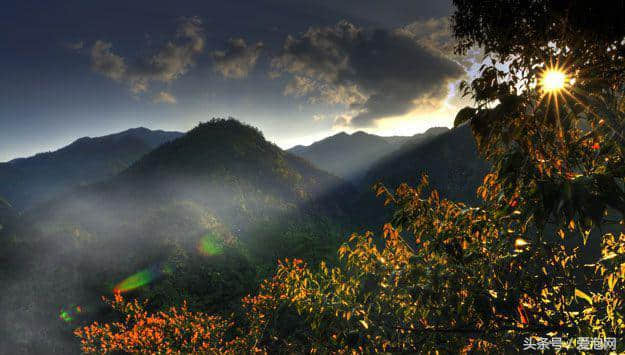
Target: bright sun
x: 553, y: 80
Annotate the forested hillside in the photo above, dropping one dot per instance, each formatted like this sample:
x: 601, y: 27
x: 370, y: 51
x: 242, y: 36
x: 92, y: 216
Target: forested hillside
x: 200, y: 218
x: 535, y: 261
x: 450, y: 159
x: 26, y: 182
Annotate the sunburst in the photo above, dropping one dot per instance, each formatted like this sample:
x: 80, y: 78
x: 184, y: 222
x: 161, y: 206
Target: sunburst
x: 554, y: 82
x: 557, y: 84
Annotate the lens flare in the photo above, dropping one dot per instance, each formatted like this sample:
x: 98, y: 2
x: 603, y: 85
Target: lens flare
x: 142, y: 278
x: 209, y: 245
x: 68, y: 315
x: 65, y: 316
x: 553, y: 80
x: 134, y: 281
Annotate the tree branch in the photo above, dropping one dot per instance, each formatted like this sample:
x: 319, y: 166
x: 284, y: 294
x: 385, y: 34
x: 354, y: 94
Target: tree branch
x: 535, y: 329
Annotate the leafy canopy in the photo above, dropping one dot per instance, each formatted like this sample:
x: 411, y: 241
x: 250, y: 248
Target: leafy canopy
x: 544, y: 255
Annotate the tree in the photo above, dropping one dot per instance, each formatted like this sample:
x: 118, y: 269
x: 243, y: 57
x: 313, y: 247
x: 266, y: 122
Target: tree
x: 176, y: 330
x: 543, y: 256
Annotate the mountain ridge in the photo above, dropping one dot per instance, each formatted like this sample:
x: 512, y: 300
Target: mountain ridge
x: 26, y: 182
x: 450, y: 159
x: 219, y: 206
x: 350, y: 156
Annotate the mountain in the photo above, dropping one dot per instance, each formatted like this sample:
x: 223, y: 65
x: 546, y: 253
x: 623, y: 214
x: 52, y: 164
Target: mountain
x: 345, y: 155
x: 351, y: 155
x: 222, y: 171
x: 199, y: 218
x: 26, y: 182
x: 7, y: 213
x: 450, y: 159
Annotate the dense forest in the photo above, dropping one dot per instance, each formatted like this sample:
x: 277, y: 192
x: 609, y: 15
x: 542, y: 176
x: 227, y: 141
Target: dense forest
x: 484, y: 238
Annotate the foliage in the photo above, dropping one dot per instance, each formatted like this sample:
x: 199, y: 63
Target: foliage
x: 561, y: 153
x: 176, y: 330
x: 543, y: 255
x: 463, y: 271
x: 587, y: 36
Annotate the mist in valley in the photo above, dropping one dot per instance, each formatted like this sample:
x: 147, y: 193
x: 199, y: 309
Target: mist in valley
x: 205, y: 234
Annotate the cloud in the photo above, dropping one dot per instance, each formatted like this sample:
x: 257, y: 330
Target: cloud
x: 238, y: 59
x: 164, y: 97
x: 434, y: 33
x: 319, y: 117
x: 74, y: 46
x: 165, y: 65
x: 377, y: 74
x: 107, y: 63
x: 138, y: 87
x: 342, y: 121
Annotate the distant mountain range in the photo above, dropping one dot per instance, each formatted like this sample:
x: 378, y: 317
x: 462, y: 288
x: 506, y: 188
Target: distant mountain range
x: 218, y: 205
x: 449, y: 156
x: 26, y: 182
x: 222, y: 169
x: 350, y: 156
x: 450, y: 159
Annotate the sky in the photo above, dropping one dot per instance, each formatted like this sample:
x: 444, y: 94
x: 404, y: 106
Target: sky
x: 299, y: 70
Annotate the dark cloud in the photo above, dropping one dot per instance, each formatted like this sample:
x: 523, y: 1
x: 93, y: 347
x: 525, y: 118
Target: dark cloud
x: 74, y: 46
x: 167, y: 64
x: 238, y: 59
x: 377, y: 73
x: 434, y: 33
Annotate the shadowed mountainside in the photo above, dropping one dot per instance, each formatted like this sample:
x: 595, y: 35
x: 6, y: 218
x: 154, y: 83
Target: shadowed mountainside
x: 450, y: 160
x: 202, y: 216
x: 350, y: 156
x: 26, y: 182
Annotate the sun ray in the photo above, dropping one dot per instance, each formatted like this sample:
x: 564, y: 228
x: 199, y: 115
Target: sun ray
x: 553, y: 83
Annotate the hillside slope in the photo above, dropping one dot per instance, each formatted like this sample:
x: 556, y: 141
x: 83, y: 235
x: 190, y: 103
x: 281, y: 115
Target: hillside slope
x: 450, y: 160
x: 199, y: 218
x: 26, y: 182
x: 350, y: 156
